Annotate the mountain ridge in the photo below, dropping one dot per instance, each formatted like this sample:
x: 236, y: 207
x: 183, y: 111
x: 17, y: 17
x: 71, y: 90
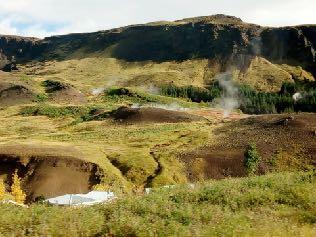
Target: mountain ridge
x: 218, y: 37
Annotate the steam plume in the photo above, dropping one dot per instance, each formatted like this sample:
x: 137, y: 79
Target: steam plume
x: 297, y: 96
x: 229, y: 99
x: 111, y: 81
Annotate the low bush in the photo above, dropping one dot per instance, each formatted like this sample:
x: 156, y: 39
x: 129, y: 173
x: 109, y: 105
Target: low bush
x: 55, y: 111
x: 52, y: 86
x: 252, y: 159
x: 195, y: 94
x: 41, y: 98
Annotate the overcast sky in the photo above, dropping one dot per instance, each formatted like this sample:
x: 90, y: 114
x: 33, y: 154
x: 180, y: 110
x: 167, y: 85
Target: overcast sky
x: 42, y: 18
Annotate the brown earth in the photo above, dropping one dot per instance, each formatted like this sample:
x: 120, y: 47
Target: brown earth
x: 151, y: 115
x: 217, y: 114
x: 63, y: 92
x: 11, y: 94
x: 47, y: 171
x: 67, y: 95
x: 283, y: 141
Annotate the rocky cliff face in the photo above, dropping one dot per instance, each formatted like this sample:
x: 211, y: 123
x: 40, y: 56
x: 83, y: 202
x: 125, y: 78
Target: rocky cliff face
x: 15, y: 48
x: 290, y: 45
x: 225, y: 39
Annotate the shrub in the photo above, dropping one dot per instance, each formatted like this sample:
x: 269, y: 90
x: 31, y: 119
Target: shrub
x: 16, y: 189
x: 41, y: 97
x: 195, y: 94
x: 52, y: 86
x: 2, y: 190
x: 55, y: 111
x: 119, y: 95
x: 118, y: 92
x: 25, y: 77
x: 252, y: 158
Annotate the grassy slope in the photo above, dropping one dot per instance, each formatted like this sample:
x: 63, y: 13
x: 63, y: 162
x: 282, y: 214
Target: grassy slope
x: 120, y: 150
x: 100, y: 142
x: 128, y: 147
x: 94, y: 72
x: 100, y: 71
x: 271, y: 205
x: 131, y: 147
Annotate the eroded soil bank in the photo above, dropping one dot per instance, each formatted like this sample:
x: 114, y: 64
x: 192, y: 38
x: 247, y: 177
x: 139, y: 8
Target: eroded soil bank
x: 47, y: 175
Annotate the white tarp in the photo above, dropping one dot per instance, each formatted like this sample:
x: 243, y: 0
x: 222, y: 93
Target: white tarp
x: 90, y: 198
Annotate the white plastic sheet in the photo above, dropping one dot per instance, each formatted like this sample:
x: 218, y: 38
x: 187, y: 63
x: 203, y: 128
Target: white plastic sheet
x: 90, y: 198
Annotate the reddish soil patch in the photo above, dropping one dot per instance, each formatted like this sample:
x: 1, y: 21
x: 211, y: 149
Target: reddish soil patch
x: 47, y: 175
x: 152, y: 115
x: 11, y: 94
x: 294, y: 136
x: 218, y: 114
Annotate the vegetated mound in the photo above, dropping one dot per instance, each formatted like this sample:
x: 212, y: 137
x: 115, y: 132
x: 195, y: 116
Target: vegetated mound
x: 47, y: 172
x: 62, y: 92
x: 151, y: 115
x: 11, y: 94
x: 285, y: 142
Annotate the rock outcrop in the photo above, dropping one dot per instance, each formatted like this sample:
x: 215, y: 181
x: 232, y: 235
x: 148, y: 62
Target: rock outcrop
x: 16, y: 48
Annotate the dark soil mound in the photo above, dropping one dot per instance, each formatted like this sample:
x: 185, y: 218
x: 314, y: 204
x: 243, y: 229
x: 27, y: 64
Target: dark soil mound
x: 11, y: 94
x: 292, y: 122
x: 49, y: 176
x: 152, y: 115
x: 284, y: 143
x: 62, y: 92
x: 281, y: 121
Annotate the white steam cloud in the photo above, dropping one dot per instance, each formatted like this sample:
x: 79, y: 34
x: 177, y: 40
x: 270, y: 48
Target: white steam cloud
x: 97, y: 91
x: 111, y: 81
x: 230, y: 96
x: 256, y: 45
x: 151, y: 89
x: 297, y: 96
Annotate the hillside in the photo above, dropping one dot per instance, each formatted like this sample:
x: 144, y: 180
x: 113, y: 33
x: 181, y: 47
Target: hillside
x: 159, y: 52
x: 220, y: 109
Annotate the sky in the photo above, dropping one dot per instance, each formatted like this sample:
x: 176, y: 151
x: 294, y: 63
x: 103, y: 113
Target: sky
x: 42, y: 18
